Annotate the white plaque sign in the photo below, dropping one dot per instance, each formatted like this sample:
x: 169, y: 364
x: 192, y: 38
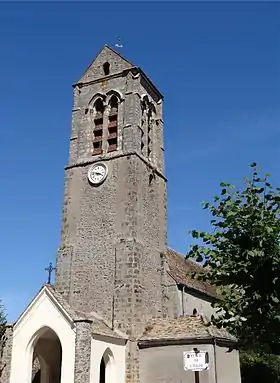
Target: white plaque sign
x: 196, y: 361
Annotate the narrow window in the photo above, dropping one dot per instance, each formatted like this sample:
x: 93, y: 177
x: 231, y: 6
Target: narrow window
x: 143, y: 124
x: 102, y: 371
x: 113, y: 125
x: 106, y: 68
x: 151, y: 115
x: 107, y: 371
x: 149, y: 133
x: 98, y: 127
x: 142, y: 141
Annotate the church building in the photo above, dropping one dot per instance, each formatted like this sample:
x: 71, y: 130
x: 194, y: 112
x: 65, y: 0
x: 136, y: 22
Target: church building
x: 123, y: 308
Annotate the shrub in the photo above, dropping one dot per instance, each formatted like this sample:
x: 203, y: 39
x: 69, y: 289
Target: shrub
x: 259, y: 367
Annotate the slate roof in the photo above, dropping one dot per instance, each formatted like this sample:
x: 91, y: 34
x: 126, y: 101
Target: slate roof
x: 188, y: 327
x: 179, y: 267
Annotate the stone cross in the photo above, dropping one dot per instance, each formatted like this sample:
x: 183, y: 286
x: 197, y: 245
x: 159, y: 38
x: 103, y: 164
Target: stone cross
x: 50, y: 269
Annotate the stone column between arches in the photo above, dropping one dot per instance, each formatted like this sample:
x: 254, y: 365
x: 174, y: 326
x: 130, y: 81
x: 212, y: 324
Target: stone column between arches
x: 82, y: 351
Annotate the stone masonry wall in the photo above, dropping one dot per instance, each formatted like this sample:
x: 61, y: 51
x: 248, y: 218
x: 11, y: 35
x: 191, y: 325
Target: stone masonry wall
x: 113, y: 236
x: 85, y: 261
x: 132, y: 363
x: 95, y: 70
x: 6, y: 355
x: 82, y: 352
x: 128, y: 207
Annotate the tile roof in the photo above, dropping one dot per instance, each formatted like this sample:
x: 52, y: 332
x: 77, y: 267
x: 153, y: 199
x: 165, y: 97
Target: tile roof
x: 99, y: 325
x: 189, y: 327
x: 102, y: 327
x: 179, y: 267
x: 62, y: 301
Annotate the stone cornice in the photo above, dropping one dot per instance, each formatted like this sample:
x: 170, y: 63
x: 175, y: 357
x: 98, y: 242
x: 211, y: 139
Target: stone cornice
x: 116, y: 155
x: 136, y: 71
x: 100, y: 79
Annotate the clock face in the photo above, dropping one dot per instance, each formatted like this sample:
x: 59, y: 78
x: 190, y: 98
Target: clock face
x: 97, y: 173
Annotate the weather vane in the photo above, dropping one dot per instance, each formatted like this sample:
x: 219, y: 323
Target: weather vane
x: 119, y: 44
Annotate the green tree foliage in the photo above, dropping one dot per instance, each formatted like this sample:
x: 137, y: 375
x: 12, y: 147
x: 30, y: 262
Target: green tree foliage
x: 259, y: 367
x: 242, y: 258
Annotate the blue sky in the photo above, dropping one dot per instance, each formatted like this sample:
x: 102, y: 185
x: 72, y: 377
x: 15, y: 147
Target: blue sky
x: 218, y: 65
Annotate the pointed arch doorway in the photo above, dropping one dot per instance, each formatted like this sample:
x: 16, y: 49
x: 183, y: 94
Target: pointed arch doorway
x: 47, y: 357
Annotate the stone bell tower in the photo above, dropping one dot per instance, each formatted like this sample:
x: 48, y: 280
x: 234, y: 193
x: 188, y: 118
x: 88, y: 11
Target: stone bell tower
x: 114, y: 214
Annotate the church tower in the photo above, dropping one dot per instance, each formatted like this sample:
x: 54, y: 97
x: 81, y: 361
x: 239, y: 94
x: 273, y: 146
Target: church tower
x: 119, y: 309
x: 113, y: 240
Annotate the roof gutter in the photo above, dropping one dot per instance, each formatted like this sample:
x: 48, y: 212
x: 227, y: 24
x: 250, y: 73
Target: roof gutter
x: 149, y: 343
